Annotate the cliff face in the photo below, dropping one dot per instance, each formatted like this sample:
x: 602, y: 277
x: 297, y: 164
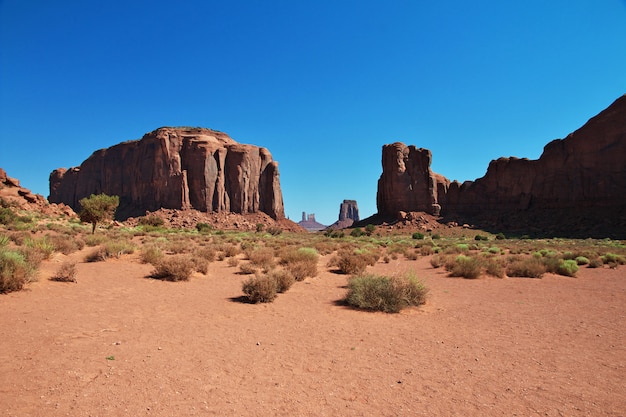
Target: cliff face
x: 578, y: 181
x: 176, y: 168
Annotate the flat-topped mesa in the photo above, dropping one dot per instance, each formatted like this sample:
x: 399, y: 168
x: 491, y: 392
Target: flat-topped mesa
x: 576, y: 187
x: 176, y: 168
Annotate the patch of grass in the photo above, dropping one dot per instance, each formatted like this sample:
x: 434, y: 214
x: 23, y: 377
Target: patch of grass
x: 174, y: 268
x: 388, y: 294
x: 260, y: 289
x: 65, y: 273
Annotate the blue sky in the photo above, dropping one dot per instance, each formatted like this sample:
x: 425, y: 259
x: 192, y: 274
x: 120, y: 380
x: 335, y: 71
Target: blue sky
x: 323, y: 85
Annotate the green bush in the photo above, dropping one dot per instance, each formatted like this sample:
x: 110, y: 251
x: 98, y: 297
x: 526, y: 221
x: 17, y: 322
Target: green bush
x: 15, y: 271
x: 481, y: 237
x: 356, y: 232
x: 301, y: 263
x: 500, y: 236
x: 369, y: 229
x: 568, y: 268
x: 418, y: 236
x: 151, y: 220
x: 260, y: 289
x: 204, y: 227
x: 151, y: 254
x: 613, y: 258
x: 388, y: 294
x: 581, y: 260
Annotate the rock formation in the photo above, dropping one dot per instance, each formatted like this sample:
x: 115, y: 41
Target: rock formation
x: 309, y: 222
x: 14, y: 195
x: 176, y: 168
x: 576, y: 187
x: 348, y: 215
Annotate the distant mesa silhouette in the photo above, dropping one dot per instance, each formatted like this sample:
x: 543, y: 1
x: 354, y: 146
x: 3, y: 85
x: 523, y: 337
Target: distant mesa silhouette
x: 309, y: 223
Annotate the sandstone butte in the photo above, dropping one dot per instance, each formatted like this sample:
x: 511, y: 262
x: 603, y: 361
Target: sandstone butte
x: 577, y: 187
x: 176, y: 168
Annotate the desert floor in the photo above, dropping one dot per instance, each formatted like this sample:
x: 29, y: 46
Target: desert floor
x: 119, y: 344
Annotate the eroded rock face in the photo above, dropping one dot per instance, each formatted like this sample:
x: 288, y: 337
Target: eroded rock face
x: 578, y: 183
x: 176, y: 168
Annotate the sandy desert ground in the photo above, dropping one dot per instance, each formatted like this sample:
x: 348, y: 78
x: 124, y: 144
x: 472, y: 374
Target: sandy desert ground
x: 119, y: 344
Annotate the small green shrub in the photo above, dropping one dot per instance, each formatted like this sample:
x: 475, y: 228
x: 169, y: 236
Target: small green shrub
x: 204, y: 227
x: 481, y: 237
x: 353, y: 262
x: 613, y: 258
x: 388, y: 294
x: 274, y: 231
x: 356, y: 232
x: 15, y: 271
x: 260, y: 227
x: 567, y: 267
x: 260, y: 289
x: 418, y: 236
x: 174, y: 268
x: 500, y: 236
x: 581, y: 260
x: 301, y: 263
x: 369, y: 229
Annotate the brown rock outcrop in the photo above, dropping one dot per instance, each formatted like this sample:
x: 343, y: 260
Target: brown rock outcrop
x: 176, y: 168
x: 576, y: 187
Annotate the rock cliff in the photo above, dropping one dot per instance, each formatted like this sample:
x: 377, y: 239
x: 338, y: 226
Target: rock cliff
x: 576, y: 187
x: 176, y: 168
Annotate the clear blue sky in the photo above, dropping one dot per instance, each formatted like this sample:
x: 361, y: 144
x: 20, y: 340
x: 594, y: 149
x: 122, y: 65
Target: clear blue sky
x: 321, y: 84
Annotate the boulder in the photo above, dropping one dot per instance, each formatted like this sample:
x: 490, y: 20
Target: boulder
x: 176, y: 168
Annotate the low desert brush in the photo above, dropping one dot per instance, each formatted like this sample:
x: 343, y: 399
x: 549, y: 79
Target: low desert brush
x: 174, y: 268
x: 15, y: 271
x: 151, y: 254
x: 388, y: 294
x: 260, y: 289
x: 567, y: 267
x: 465, y: 266
x: 529, y: 267
x: 301, y: 263
x: 65, y: 273
x: 284, y: 279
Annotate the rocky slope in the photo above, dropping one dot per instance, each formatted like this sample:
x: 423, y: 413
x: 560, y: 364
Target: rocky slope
x: 12, y: 194
x: 577, y: 187
x: 176, y: 168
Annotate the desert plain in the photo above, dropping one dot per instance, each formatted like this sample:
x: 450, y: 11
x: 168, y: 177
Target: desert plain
x: 117, y: 342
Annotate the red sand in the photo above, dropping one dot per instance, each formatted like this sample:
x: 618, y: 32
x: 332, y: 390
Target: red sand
x: 488, y: 347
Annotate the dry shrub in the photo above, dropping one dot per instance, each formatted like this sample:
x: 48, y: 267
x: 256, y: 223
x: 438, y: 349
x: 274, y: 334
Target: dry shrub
x: 380, y: 293
x: 200, y: 264
x: 231, y: 250
x: 284, y: 279
x: 260, y: 289
x: 248, y: 268
x: 174, y: 268
x: 66, y: 244
x: 465, y: 266
x: 151, y: 254
x: 233, y: 262
x: 179, y: 246
x: 262, y: 257
x: 439, y: 260
x: 528, y: 267
x: 65, y: 273
x: 111, y: 249
x: 353, y: 262
x: 301, y: 263
x: 15, y: 271
x: 495, y: 267
x: 206, y: 252
x: 425, y: 250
